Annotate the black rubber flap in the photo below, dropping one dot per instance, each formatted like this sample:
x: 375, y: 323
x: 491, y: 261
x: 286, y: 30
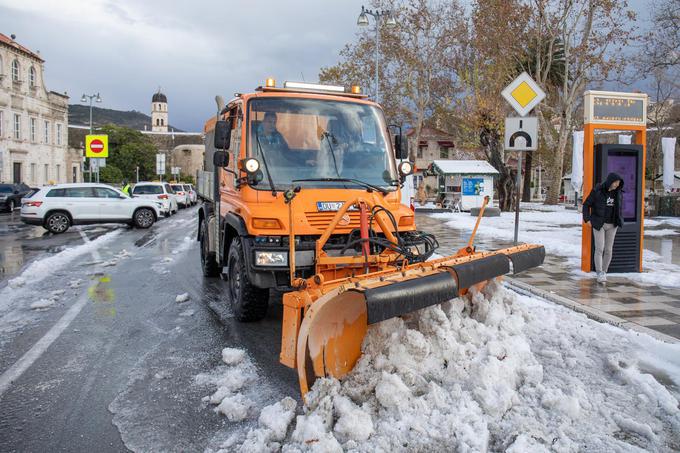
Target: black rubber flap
x: 526, y: 259
x: 404, y: 297
x: 482, y: 269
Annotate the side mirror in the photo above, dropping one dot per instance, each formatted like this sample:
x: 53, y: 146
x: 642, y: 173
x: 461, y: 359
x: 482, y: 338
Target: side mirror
x: 401, y: 146
x: 221, y: 159
x: 222, y: 134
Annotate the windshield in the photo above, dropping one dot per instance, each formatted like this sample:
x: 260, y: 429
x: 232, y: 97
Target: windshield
x: 6, y: 189
x: 313, y: 139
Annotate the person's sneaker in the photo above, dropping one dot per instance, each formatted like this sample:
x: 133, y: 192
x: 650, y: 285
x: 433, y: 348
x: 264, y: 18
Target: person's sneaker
x: 601, y: 277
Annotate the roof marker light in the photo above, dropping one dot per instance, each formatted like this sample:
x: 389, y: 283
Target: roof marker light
x: 314, y: 87
x: 270, y: 82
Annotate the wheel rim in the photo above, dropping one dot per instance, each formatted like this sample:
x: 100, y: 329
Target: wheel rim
x: 58, y: 223
x: 144, y: 218
x: 234, y: 282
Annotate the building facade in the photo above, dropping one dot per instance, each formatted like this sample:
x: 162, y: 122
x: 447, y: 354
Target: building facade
x: 33, y: 122
x: 159, y: 112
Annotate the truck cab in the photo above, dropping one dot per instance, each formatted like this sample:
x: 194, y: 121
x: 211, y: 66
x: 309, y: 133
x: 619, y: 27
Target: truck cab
x: 279, y: 164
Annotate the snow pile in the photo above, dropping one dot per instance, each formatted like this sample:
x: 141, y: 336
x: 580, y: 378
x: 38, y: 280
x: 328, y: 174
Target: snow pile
x: 559, y: 231
x: 43, y: 267
x: 230, y: 380
x: 182, y: 298
x: 43, y: 304
x: 492, y: 372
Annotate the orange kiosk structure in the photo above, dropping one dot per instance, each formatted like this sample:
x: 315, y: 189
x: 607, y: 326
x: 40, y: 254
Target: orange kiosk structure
x: 620, y: 112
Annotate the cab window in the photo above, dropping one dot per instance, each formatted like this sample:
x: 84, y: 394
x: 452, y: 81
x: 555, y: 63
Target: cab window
x: 103, y: 192
x: 79, y: 192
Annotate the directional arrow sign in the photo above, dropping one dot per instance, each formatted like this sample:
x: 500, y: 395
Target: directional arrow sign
x: 523, y: 94
x: 521, y: 134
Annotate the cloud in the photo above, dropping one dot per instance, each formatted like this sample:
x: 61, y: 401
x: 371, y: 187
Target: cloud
x: 194, y: 50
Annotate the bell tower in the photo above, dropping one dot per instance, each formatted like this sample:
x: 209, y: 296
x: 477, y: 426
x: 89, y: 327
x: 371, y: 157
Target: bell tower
x: 159, y: 112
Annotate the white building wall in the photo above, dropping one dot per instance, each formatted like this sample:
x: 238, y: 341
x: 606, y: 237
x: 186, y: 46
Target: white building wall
x: 31, y: 154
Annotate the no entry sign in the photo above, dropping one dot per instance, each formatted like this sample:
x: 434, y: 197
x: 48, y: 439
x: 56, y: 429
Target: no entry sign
x: 97, y: 146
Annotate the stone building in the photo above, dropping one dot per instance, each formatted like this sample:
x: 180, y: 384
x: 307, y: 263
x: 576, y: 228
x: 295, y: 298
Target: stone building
x: 181, y: 149
x: 33, y: 122
x: 159, y: 112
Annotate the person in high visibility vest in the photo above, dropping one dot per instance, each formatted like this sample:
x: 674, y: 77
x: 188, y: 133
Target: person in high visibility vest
x: 127, y: 189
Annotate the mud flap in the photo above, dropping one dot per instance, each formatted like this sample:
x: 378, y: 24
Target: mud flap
x: 404, y: 297
x: 526, y: 259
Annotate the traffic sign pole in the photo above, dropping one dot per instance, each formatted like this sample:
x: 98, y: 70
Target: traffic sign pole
x: 518, y: 183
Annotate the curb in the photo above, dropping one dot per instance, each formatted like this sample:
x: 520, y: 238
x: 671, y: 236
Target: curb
x: 590, y: 312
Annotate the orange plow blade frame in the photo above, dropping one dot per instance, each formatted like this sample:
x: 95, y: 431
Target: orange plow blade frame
x: 327, y: 340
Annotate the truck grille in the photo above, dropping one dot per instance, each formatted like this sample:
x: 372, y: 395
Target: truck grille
x: 321, y: 220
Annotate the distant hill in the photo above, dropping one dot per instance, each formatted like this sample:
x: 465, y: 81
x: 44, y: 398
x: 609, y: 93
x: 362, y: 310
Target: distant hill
x: 79, y: 114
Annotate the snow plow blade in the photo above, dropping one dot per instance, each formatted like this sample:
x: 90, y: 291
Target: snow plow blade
x: 334, y: 325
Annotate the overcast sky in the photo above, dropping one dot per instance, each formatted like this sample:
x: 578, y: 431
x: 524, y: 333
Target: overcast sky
x: 194, y: 50
x: 126, y: 49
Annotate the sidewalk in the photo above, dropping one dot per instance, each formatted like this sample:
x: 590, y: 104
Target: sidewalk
x: 634, y: 305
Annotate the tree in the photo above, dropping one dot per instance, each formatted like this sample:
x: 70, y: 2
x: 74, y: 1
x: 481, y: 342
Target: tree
x: 416, y: 73
x: 591, y: 36
x: 129, y: 149
x: 487, y: 64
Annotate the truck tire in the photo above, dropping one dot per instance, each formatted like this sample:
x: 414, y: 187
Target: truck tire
x: 208, y: 258
x: 248, y: 302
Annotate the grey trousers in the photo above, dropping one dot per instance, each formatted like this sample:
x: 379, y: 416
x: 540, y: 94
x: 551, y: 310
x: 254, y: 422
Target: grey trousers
x: 604, y: 243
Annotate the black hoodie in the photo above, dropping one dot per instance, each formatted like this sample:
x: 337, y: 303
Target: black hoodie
x: 595, y: 206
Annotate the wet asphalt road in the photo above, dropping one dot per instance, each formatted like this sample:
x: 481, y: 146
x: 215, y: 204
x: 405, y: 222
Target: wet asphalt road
x: 121, y: 374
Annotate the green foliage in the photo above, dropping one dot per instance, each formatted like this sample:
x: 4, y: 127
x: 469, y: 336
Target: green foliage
x: 129, y: 149
x: 110, y: 174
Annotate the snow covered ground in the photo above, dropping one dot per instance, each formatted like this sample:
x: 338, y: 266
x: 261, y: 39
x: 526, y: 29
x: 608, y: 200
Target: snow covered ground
x: 559, y: 230
x: 494, y: 371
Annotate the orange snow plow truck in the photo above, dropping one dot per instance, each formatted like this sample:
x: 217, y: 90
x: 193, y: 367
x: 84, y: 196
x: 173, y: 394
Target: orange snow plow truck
x: 301, y: 193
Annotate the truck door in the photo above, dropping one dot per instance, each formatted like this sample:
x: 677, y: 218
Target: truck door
x: 227, y: 179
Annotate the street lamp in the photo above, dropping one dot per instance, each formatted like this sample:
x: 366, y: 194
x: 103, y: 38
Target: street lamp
x: 390, y: 22
x: 97, y: 98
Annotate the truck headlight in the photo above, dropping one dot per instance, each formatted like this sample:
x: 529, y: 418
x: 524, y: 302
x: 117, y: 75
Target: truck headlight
x: 267, y: 258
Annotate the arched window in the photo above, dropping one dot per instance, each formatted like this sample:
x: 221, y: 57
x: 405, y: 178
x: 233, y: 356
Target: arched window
x: 31, y: 76
x: 162, y: 122
x: 158, y: 122
x: 15, y: 70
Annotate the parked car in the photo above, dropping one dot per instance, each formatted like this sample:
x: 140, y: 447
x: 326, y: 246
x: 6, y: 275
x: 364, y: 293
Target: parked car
x: 58, y: 207
x: 181, y: 195
x: 159, y: 191
x: 11, y: 195
x: 193, y: 196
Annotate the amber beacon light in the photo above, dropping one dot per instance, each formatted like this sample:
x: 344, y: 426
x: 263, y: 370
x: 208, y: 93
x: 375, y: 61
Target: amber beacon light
x: 270, y: 82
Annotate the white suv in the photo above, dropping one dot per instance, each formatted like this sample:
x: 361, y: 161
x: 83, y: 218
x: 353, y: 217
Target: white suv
x: 58, y: 207
x: 181, y: 195
x: 158, y: 191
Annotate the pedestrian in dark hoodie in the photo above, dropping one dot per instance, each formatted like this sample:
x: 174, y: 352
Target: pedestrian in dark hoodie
x: 603, y: 211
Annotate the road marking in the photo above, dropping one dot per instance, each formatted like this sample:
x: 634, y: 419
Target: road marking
x: 15, y: 371
x: 20, y: 366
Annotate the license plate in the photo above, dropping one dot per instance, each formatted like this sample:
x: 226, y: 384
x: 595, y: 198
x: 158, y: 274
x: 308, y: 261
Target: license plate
x: 325, y: 206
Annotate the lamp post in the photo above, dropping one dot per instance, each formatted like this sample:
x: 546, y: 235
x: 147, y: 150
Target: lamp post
x: 97, y: 98
x: 390, y: 22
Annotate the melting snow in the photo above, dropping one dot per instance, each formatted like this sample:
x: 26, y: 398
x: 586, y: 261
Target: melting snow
x: 182, y: 298
x: 494, y: 371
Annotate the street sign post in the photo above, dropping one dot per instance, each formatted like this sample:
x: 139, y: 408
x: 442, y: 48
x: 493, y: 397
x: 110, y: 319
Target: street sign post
x: 96, y: 149
x: 160, y: 165
x: 521, y: 134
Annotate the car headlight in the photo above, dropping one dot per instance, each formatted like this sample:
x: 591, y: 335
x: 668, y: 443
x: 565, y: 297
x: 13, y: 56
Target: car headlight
x: 266, y: 258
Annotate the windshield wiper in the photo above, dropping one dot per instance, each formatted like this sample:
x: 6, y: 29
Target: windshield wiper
x: 355, y: 181
x: 328, y: 140
x: 266, y: 167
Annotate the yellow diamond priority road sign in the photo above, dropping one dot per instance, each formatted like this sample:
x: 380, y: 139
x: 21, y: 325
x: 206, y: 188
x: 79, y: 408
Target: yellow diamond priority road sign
x: 523, y: 94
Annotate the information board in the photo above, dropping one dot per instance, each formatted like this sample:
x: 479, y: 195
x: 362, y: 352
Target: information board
x: 473, y: 186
